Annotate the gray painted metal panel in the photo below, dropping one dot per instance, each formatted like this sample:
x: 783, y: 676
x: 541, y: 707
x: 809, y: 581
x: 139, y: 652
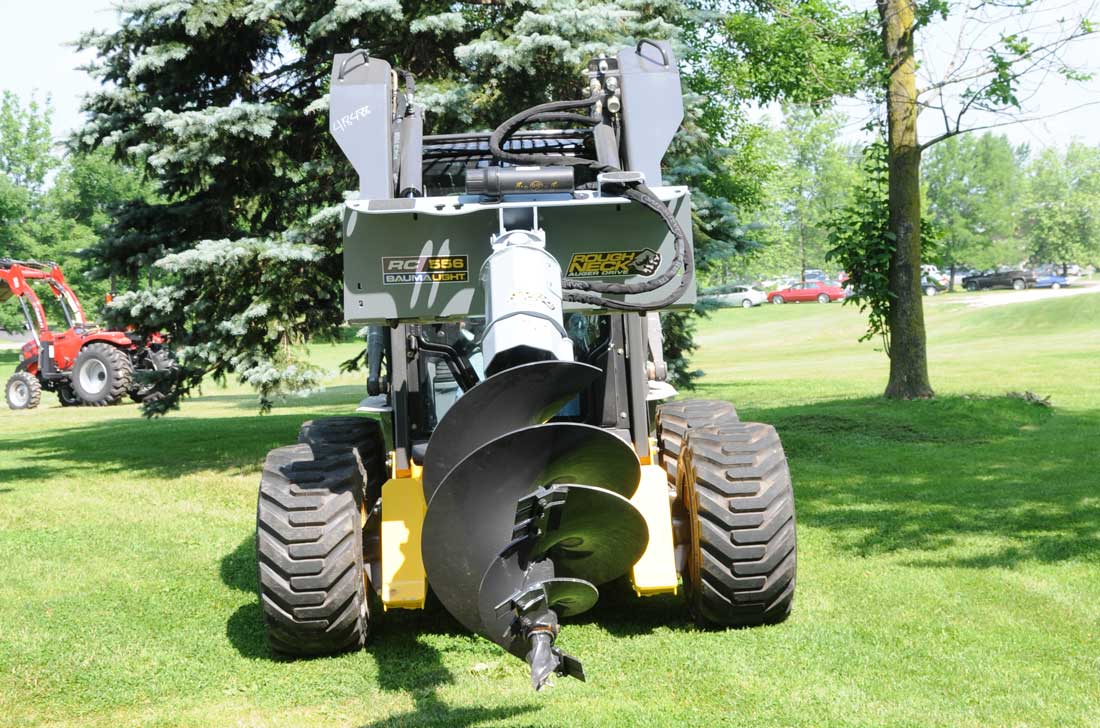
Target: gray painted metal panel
x: 450, y: 229
x: 361, y: 120
x: 653, y: 105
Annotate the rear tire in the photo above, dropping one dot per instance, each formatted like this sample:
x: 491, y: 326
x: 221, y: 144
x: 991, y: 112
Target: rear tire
x: 349, y: 431
x: 675, y: 419
x: 746, y: 303
x: 102, y: 374
x: 1018, y: 285
x: 1055, y: 286
x: 67, y: 396
x: 823, y: 298
x: 23, y: 391
x: 734, y: 480
x: 155, y: 360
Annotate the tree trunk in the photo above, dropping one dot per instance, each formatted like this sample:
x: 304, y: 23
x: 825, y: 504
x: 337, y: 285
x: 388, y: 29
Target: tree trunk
x: 951, y: 280
x: 908, y: 350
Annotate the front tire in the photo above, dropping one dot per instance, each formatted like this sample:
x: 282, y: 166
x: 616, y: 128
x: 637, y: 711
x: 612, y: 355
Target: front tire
x: 23, y: 391
x: 309, y: 546
x: 972, y: 287
x: 1055, y: 286
x: 741, y: 561
x: 778, y: 300
x: 314, y: 517
x: 102, y: 374
x: 930, y: 290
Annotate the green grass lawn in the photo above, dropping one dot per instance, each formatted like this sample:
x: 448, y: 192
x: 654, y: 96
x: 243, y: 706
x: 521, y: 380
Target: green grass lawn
x: 949, y: 561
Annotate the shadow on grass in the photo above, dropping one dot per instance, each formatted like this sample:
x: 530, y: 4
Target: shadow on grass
x: 22, y: 474
x: 406, y: 663
x: 921, y: 478
x: 166, y: 448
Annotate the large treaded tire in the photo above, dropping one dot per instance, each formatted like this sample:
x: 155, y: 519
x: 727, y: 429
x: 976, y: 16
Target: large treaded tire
x: 67, y: 396
x: 674, y: 419
x: 309, y: 547
x: 23, y: 391
x: 157, y: 360
x: 741, y: 554
x: 362, y: 433
x: 107, y: 365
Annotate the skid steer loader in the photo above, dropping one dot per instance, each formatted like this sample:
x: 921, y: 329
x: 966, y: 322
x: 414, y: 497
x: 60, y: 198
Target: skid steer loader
x: 516, y: 458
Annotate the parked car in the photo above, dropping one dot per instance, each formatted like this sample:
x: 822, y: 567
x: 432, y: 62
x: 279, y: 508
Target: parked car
x: 820, y: 291
x: 931, y: 286
x: 814, y: 274
x: 1053, y: 281
x: 743, y: 296
x: 1000, y: 278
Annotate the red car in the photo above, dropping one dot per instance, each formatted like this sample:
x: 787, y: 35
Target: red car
x: 820, y: 291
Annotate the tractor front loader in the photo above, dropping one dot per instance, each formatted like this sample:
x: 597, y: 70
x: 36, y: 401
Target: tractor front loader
x: 84, y: 363
x: 517, y: 458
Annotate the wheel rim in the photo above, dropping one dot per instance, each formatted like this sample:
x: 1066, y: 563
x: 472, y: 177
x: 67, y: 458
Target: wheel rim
x: 930, y: 291
x: 778, y: 299
x: 20, y: 394
x: 746, y: 303
x: 823, y: 298
x: 1018, y: 286
x: 93, y: 376
x: 1056, y: 286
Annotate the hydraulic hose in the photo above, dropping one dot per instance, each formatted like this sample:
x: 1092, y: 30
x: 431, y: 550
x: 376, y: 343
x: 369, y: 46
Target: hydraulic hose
x: 588, y: 292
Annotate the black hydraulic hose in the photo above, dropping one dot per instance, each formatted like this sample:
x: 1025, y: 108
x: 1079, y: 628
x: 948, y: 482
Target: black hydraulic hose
x: 579, y: 291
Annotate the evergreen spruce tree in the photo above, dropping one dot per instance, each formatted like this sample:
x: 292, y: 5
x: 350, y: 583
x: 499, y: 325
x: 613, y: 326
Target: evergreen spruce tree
x: 224, y: 103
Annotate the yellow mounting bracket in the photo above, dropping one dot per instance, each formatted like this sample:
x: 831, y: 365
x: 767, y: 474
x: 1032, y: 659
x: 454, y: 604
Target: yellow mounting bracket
x: 404, y: 583
x: 655, y: 573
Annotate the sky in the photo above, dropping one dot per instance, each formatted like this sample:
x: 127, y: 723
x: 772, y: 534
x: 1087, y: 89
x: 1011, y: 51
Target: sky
x: 34, y: 58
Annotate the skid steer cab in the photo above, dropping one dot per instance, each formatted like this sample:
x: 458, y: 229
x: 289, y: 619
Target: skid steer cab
x: 83, y: 364
x: 512, y: 457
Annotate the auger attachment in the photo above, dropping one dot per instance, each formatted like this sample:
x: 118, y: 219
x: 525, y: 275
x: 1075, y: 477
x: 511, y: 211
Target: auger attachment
x: 512, y: 281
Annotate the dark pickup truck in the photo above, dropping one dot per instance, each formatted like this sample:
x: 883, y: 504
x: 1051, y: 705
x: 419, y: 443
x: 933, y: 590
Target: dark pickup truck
x: 1000, y: 278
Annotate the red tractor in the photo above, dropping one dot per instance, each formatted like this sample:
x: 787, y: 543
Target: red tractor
x: 83, y: 364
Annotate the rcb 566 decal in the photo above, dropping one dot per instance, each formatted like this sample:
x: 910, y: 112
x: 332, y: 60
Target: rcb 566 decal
x: 404, y: 269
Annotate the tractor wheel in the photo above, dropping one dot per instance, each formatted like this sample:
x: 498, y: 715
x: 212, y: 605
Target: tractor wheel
x: 102, y: 374
x: 67, y: 396
x: 362, y: 433
x: 157, y: 360
x: 24, y: 391
x: 309, y: 547
x: 674, y: 419
x: 734, y: 481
